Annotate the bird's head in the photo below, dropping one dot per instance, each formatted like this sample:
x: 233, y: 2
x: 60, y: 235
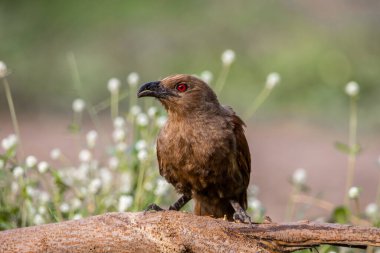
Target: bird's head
x: 180, y: 93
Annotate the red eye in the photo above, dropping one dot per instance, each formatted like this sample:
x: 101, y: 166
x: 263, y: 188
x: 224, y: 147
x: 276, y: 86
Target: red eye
x: 181, y: 87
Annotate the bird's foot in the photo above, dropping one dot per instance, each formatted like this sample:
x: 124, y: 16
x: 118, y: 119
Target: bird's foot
x: 242, y: 216
x: 153, y: 207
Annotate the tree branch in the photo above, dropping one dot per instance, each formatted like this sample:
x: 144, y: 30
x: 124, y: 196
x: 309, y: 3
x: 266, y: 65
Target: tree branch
x: 171, y: 231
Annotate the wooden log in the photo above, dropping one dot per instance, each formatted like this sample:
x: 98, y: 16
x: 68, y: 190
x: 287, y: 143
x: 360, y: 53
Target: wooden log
x: 171, y: 231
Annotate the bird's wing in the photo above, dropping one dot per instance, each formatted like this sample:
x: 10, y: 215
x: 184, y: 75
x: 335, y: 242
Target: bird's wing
x: 159, y: 159
x: 243, y: 156
x: 242, y: 148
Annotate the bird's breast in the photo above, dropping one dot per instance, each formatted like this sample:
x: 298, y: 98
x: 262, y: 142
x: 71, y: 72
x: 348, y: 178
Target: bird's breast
x: 193, y: 156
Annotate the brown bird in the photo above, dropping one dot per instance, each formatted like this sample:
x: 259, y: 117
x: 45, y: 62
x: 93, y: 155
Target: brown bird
x: 202, y: 150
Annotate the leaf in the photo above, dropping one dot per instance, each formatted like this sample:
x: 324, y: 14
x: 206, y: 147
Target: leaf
x: 59, y: 182
x: 74, y: 128
x: 344, y: 148
x: 341, y: 215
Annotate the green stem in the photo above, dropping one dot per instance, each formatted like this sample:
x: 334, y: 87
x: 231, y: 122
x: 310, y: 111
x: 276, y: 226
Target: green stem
x: 352, y: 143
x: 79, y: 87
x: 263, y: 95
x: 12, y: 111
x: 114, y: 104
x: 132, y: 96
x: 139, y: 188
x: 106, y: 103
x: 378, y: 194
x: 291, y: 205
x: 222, y: 78
x: 357, y: 207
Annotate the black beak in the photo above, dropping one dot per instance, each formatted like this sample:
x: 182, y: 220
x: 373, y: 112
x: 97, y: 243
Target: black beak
x: 153, y: 89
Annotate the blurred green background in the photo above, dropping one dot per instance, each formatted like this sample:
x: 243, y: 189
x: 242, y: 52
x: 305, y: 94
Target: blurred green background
x: 316, y: 46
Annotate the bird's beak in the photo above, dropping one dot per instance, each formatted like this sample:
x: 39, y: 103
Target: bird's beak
x: 153, y: 89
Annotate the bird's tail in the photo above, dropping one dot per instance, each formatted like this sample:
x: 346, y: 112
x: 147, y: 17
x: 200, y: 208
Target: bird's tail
x: 218, y: 207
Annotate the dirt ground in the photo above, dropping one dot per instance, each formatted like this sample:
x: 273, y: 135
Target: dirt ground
x: 278, y: 148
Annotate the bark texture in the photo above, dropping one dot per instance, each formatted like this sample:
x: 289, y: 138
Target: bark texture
x: 171, y: 231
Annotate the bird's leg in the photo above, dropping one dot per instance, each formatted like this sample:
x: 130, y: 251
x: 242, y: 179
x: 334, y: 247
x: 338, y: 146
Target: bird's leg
x: 176, y: 206
x: 180, y: 203
x: 240, y: 214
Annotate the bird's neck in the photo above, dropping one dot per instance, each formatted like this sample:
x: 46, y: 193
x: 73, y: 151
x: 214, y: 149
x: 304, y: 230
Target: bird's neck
x: 194, y: 113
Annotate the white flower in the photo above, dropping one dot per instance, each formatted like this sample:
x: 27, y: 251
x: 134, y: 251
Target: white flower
x: 30, y: 191
x: 43, y: 167
x: 85, y: 155
x: 255, y: 204
x: 80, y: 173
x: 38, y: 219
x: 118, y: 122
x: 133, y: 79
x: 64, y: 207
x: 3, y: 69
x: 142, y: 119
x: 152, y: 111
x: 353, y: 192
x: 113, y: 85
x: 121, y: 146
x: 78, y: 105
x: 9, y: 142
x: 299, y: 177
x: 113, y: 162
x: 106, y: 177
x: 161, y: 121
x: 142, y: 155
x: 272, y: 80
x: 18, y: 172
x: 76, y: 203
x: 352, y: 89
x: 42, y: 210
x: 140, y: 144
x: 77, y: 216
x: 161, y: 187
x: 207, y: 76
x: 55, y: 154
x: 30, y: 161
x: 135, y: 110
x: 91, y: 138
x: 118, y: 135
x: 44, y: 197
x: 228, y: 57
x: 2, y: 164
x: 95, y: 185
x: 126, y: 182
x: 125, y: 202
x: 372, y: 210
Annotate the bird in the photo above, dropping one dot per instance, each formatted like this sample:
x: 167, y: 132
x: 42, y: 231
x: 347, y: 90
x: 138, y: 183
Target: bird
x: 202, y: 149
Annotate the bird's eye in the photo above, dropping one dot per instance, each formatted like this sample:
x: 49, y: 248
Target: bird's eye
x: 181, y: 87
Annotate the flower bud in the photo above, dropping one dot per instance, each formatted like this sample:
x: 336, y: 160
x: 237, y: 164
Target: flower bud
x: 228, y: 57
x: 352, y: 89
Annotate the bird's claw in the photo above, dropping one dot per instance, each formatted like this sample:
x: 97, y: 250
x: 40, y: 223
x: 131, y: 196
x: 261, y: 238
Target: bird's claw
x: 153, y: 207
x: 242, y: 217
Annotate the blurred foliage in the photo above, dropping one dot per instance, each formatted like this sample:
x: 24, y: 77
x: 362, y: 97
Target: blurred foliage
x: 317, y: 47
